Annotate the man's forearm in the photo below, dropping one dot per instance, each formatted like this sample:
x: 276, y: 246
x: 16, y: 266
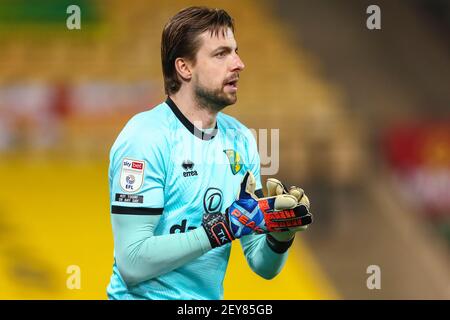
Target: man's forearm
x: 265, y: 258
x: 141, y: 256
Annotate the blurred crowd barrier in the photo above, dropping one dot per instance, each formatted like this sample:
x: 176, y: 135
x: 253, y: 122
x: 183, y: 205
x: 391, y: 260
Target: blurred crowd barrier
x: 418, y: 153
x: 80, y: 118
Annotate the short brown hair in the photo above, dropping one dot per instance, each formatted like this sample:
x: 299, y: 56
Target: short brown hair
x: 179, y: 38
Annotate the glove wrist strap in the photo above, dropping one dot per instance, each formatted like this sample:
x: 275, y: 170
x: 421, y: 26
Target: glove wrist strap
x: 217, y: 229
x: 278, y: 246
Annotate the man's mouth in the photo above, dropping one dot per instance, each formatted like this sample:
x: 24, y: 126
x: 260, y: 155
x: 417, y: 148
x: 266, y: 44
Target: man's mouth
x: 232, y: 84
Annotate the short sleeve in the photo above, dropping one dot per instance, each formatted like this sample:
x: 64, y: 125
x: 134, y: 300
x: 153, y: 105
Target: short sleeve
x: 137, y: 173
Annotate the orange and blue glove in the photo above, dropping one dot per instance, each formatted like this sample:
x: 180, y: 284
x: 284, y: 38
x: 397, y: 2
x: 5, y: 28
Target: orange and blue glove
x: 277, y: 214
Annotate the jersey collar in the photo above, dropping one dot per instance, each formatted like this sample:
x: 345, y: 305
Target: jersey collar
x: 189, y: 125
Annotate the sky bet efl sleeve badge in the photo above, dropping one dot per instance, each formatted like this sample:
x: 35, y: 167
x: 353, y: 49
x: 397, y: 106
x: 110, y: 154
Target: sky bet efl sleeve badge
x: 132, y: 175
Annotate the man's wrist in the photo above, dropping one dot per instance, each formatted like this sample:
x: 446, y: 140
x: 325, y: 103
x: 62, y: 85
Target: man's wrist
x: 217, y: 229
x: 277, y: 245
x: 201, y: 235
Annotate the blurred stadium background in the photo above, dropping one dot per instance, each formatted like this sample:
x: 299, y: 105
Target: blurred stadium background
x: 364, y: 128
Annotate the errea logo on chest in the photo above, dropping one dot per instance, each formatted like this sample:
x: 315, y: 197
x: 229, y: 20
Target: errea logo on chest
x: 188, y: 167
x: 132, y: 175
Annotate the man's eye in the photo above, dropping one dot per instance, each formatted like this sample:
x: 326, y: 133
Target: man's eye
x: 220, y: 54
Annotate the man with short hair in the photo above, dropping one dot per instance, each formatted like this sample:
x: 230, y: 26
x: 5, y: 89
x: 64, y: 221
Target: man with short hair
x: 185, y: 178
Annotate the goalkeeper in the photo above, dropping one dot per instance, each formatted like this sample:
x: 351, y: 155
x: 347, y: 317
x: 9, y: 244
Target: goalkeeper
x: 185, y: 180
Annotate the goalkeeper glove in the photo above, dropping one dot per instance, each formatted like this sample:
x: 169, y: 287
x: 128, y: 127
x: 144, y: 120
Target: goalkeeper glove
x: 275, y: 188
x: 249, y: 215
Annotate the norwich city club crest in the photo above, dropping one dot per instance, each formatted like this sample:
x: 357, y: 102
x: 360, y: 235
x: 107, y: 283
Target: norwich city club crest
x: 235, y: 160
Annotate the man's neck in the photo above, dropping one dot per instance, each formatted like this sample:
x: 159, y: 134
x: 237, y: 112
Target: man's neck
x: 200, y: 117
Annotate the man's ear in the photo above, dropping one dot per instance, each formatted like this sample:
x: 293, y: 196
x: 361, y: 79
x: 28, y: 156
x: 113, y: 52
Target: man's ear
x: 183, y: 68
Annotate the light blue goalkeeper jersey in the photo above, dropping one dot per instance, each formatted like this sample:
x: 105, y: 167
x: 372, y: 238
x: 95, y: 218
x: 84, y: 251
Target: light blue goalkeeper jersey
x: 164, y: 175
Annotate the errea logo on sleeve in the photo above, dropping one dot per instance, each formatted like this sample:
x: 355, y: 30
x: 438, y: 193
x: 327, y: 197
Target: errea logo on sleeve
x: 132, y: 175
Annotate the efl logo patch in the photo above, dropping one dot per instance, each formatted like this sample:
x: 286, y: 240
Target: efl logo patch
x: 132, y: 175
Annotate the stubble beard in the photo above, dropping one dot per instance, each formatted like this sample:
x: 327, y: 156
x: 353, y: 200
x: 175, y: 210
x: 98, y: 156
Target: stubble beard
x: 214, y: 100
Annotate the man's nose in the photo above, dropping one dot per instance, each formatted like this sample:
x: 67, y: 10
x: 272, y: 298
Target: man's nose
x: 238, y: 65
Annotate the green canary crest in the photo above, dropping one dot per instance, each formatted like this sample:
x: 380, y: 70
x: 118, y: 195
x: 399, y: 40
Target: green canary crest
x: 235, y: 160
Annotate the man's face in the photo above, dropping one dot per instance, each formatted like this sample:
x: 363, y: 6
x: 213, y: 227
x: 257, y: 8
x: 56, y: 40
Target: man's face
x: 216, y: 71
